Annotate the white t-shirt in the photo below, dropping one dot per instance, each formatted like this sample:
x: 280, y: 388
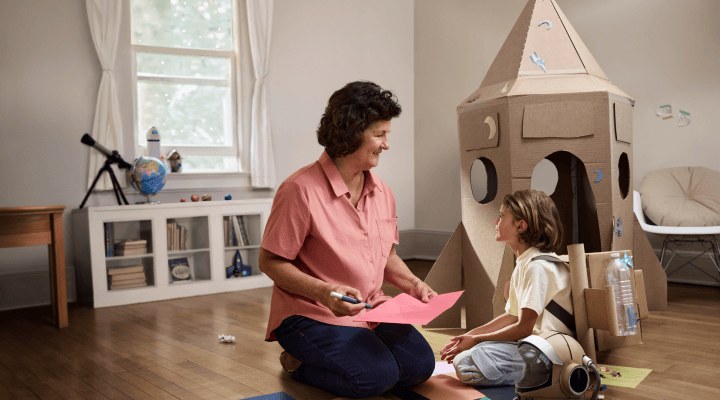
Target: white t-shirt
x: 534, y: 284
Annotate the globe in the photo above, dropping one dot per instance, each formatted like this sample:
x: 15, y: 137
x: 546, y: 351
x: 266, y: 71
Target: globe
x: 147, y: 175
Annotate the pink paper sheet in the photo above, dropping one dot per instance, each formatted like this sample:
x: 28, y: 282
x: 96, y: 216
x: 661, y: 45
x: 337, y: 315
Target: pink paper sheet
x: 405, y: 309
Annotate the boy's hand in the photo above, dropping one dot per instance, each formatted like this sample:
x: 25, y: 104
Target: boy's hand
x: 456, y: 346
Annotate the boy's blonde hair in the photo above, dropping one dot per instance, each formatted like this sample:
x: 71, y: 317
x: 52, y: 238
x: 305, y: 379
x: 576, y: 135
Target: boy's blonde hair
x: 544, y: 229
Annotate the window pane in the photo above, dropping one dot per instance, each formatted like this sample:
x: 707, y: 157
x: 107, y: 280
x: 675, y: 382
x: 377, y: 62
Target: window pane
x: 185, y: 115
x: 209, y: 164
x: 197, y: 24
x: 158, y: 64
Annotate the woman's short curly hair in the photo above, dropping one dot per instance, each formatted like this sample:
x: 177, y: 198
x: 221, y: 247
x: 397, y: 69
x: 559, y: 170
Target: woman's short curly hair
x: 350, y: 111
x: 544, y: 229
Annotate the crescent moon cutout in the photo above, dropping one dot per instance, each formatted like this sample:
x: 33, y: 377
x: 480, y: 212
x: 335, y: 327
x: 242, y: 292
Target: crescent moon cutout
x: 599, y: 178
x: 546, y: 22
x: 493, y: 127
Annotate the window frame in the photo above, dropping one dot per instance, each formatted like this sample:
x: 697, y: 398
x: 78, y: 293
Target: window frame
x: 196, y: 180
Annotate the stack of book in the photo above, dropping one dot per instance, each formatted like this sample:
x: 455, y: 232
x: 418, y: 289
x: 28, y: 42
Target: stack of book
x: 130, y: 247
x: 177, y: 236
x: 236, y: 231
x: 126, y: 277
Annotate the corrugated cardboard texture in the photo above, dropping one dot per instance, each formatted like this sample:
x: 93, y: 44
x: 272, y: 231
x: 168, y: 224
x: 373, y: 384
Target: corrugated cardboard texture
x: 566, y: 119
x: 591, y: 66
x: 653, y: 273
x: 445, y: 277
x: 552, y: 45
x: 597, y: 264
x: 599, y: 317
x: 506, y: 270
x: 480, y: 281
x: 623, y: 121
x: 507, y: 62
x: 641, y: 300
x: 579, y: 281
x: 479, y: 130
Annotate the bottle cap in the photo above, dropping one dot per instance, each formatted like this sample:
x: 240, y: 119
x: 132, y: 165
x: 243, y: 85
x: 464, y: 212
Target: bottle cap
x: 615, y: 255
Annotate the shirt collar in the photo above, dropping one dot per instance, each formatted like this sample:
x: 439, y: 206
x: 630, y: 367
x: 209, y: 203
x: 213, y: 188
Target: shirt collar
x: 336, y: 181
x: 528, y: 254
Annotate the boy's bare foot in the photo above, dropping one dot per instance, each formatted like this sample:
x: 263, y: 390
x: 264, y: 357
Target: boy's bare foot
x: 288, y: 362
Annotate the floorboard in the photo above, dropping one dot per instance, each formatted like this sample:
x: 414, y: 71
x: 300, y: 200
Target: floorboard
x: 170, y: 350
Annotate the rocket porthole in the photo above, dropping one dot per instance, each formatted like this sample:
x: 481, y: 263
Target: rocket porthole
x: 624, y: 175
x: 483, y: 180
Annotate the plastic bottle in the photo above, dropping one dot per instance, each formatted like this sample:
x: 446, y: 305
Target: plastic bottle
x: 618, y: 276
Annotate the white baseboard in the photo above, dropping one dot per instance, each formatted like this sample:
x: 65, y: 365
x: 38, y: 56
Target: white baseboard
x: 31, y: 289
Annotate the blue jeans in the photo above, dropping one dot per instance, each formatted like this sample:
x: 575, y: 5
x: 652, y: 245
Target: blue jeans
x: 356, y: 362
x: 490, y: 364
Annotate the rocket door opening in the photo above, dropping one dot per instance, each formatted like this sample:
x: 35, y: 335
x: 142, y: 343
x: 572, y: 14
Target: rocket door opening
x: 573, y: 197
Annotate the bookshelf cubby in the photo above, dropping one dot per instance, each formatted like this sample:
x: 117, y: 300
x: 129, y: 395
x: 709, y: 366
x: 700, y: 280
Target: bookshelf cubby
x: 151, y: 242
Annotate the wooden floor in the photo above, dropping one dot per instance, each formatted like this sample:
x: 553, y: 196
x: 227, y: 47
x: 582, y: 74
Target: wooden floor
x: 170, y: 350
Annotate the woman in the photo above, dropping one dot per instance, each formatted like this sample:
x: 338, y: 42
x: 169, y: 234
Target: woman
x: 332, y: 229
x: 488, y: 355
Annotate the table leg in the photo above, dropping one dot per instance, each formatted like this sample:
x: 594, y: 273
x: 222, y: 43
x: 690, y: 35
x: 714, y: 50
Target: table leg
x: 58, y: 284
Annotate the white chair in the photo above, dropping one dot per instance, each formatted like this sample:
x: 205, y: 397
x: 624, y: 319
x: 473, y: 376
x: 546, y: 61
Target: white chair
x: 679, y: 236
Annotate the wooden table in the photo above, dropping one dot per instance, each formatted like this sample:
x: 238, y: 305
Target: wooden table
x: 32, y: 226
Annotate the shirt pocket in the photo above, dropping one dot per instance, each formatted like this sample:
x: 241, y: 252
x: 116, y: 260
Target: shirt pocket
x: 387, y: 230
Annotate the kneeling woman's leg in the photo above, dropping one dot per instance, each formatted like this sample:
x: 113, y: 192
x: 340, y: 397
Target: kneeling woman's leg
x: 412, y: 352
x: 347, y: 361
x: 489, y: 364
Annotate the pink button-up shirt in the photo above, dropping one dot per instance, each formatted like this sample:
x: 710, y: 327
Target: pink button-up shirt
x: 313, y: 224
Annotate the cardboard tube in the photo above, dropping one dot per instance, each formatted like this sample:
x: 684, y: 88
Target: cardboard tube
x: 579, y: 280
x: 612, y: 310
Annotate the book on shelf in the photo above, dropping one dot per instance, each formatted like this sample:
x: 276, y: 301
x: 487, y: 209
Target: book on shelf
x: 125, y: 270
x: 130, y: 252
x: 109, y: 240
x: 128, y: 285
x: 180, y: 269
x: 236, y: 231
x: 243, y: 231
x: 124, y: 244
x: 125, y: 277
x: 225, y: 231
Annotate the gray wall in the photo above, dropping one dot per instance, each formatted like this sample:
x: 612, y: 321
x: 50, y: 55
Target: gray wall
x: 432, y: 54
x: 49, y: 77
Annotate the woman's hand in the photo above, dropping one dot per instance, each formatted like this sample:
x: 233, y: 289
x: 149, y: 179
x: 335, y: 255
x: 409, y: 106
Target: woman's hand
x: 422, y: 291
x: 456, y: 346
x: 342, y: 308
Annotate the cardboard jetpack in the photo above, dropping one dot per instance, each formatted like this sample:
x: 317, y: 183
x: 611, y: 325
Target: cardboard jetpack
x: 544, y: 97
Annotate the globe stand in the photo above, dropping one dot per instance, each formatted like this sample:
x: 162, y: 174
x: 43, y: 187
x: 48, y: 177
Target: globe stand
x: 148, y: 201
x: 116, y: 186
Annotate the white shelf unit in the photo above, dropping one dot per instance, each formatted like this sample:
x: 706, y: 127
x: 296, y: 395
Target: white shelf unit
x: 206, y: 247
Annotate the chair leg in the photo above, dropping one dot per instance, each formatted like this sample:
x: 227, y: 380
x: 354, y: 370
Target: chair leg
x: 662, y: 254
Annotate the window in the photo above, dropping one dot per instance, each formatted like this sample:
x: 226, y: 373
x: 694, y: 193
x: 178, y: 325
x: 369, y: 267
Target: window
x: 185, y: 62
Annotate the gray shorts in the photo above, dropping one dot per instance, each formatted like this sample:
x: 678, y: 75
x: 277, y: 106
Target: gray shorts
x: 490, y: 364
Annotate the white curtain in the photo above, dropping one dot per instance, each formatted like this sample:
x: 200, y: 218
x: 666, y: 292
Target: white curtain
x: 104, y: 17
x: 262, y: 162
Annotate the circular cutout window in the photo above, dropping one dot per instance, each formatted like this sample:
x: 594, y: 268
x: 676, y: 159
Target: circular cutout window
x: 483, y: 180
x: 624, y: 175
x: 544, y: 177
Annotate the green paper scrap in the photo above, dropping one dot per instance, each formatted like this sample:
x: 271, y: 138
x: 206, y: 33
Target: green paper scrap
x: 629, y: 377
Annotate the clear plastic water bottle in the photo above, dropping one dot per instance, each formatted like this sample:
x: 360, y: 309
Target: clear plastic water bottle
x: 618, y: 276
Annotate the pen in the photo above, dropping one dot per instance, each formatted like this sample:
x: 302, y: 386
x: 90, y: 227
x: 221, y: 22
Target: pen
x: 348, y: 299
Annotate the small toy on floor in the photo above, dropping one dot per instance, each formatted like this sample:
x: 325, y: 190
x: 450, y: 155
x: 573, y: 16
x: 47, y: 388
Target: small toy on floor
x: 226, y: 338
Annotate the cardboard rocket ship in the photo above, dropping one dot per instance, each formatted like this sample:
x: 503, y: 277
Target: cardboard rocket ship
x: 544, y: 97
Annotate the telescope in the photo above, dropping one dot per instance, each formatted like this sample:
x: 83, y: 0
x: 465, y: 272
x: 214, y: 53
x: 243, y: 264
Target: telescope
x: 112, y: 158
